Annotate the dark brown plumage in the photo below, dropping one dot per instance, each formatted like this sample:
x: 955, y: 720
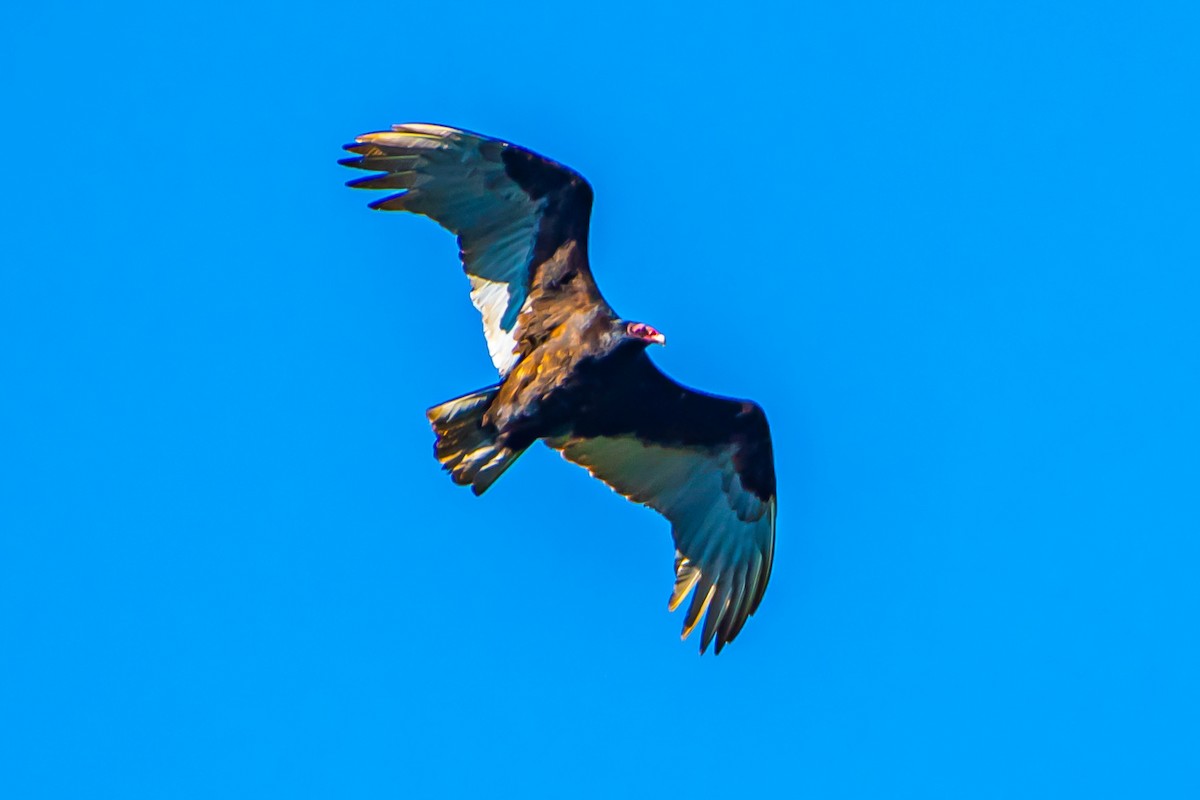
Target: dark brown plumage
x: 576, y: 375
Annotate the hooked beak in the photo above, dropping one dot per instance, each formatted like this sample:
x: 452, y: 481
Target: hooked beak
x: 657, y: 338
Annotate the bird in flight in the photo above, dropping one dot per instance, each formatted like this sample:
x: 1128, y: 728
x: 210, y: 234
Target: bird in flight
x: 576, y: 375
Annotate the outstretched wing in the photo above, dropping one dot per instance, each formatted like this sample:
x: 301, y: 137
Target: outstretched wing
x: 703, y: 462
x: 516, y: 215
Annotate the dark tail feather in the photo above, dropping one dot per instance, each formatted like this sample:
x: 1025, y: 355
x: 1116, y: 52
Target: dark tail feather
x: 467, y: 448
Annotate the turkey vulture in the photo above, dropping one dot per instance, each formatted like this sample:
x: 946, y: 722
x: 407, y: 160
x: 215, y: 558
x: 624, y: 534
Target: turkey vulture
x: 576, y: 375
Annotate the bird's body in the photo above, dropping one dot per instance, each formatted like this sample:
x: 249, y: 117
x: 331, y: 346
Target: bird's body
x: 574, y: 374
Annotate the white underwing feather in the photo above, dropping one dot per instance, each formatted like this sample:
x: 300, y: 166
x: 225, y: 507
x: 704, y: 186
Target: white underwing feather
x: 459, y: 180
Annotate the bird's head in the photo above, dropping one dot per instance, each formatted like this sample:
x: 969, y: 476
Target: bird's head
x: 643, y: 333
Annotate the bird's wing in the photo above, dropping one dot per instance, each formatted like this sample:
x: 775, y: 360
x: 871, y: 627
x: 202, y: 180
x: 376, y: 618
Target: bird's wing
x: 705, y: 463
x: 518, y: 217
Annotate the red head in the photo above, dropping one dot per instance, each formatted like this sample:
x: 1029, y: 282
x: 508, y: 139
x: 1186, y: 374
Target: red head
x: 644, y: 333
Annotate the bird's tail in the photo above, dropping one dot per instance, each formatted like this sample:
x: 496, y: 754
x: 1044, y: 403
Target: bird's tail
x: 466, y: 447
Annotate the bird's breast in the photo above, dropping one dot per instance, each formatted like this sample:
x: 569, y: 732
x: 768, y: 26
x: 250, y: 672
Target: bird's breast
x: 549, y: 392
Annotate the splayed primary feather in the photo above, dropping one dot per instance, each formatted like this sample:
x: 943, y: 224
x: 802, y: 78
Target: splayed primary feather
x: 456, y: 179
x: 722, y: 532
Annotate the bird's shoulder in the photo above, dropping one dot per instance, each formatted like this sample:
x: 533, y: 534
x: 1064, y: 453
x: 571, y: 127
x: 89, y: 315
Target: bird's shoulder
x: 552, y: 378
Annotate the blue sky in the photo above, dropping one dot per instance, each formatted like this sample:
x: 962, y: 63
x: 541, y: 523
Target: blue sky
x: 952, y: 251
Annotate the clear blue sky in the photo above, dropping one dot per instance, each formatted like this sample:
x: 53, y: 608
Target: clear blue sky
x: 954, y: 254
